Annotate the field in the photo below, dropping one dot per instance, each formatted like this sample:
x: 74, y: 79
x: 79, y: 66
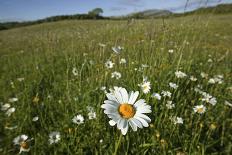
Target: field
x: 54, y: 71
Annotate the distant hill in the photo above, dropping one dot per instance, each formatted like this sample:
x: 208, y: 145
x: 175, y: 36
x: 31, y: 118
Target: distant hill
x: 152, y: 13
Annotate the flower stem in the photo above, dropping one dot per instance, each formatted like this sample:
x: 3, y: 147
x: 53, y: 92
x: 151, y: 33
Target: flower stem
x: 117, y: 145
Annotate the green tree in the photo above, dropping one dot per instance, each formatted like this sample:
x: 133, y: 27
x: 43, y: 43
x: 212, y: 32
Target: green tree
x: 96, y: 12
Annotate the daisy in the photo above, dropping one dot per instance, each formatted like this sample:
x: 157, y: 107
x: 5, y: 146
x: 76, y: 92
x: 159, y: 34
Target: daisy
x: 173, y: 85
x: 192, y: 78
x: 109, y: 64
x: 178, y: 120
x: 74, y: 71
x: 170, y: 105
x: 116, y: 75
x: 54, y: 137
x: 211, y: 81
x: 180, y: 74
x: 5, y: 107
x: 92, y: 115
x: 36, y: 118
x: 156, y: 95
x: 145, y: 86
x: 123, y: 110
x: 10, y: 111
x: 22, y: 141
x: 78, y: 119
x: 204, y: 75
x: 122, y: 61
x: 20, y: 79
x: 199, y: 109
x: 170, y: 51
x: 14, y: 99
x: 166, y: 93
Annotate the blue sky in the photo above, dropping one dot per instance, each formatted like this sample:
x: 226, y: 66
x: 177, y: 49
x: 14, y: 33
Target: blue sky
x: 11, y: 10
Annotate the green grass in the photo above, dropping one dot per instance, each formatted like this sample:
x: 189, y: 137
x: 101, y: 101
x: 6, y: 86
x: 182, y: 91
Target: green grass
x: 44, y: 55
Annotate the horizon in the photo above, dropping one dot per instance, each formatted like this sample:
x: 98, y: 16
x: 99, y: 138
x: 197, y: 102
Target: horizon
x: 25, y: 10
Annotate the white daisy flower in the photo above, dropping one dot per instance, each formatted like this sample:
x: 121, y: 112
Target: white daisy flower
x: 123, y: 110
x: 5, y: 107
x: 116, y: 75
x: 204, y: 75
x: 170, y: 51
x: 103, y: 88
x: 109, y: 64
x: 180, y: 74
x: 170, y: 105
x: 36, y: 118
x: 211, y: 81
x: 213, y: 101
x: 78, y: 119
x: 14, y: 99
x: 199, y: 109
x: 178, y: 120
x: 173, y: 85
x: 156, y: 95
x: 75, y: 71
x: 122, y: 61
x: 54, y: 137
x: 117, y: 49
x: 166, y: 93
x: 92, y: 115
x: 192, y: 78
x: 22, y: 140
x: 10, y: 111
x: 145, y: 86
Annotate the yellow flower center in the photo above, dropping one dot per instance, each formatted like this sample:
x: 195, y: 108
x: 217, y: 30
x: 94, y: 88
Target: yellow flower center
x: 24, y: 145
x: 200, y: 110
x: 126, y: 110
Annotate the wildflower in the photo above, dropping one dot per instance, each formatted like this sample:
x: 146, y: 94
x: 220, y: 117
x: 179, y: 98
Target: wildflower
x: 54, y: 137
x: 22, y: 141
x: 92, y: 115
x: 5, y: 107
x: 199, y: 109
x: 211, y: 81
x: 166, y: 93
x: 173, y: 85
x: 117, y: 49
x: 36, y: 118
x: 14, y: 99
x: 178, y: 120
x: 116, y: 75
x: 122, y: 61
x: 20, y: 79
x: 180, y: 74
x: 156, y: 95
x: 170, y: 105
x: 123, y: 110
x: 103, y: 88
x: 192, y: 78
x: 170, y: 51
x: 210, y: 60
x: 204, y: 75
x: 78, y: 119
x: 10, y: 111
x: 109, y: 64
x: 145, y: 86
x: 74, y: 71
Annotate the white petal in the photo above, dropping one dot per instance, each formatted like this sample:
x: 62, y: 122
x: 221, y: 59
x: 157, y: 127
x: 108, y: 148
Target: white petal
x: 111, y: 102
x: 111, y: 97
x: 133, y: 125
x: 146, y: 118
x: 144, y: 109
x: 145, y: 124
x: 124, y: 130
x: 133, y: 97
x: 139, y: 103
x: 112, y: 123
x: 121, y: 123
x: 109, y: 106
x: 124, y: 95
x: 137, y: 122
x: 118, y: 96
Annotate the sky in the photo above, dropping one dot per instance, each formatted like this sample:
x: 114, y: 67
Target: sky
x: 24, y: 10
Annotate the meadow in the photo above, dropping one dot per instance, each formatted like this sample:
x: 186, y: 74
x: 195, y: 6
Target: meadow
x: 52, y: 72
